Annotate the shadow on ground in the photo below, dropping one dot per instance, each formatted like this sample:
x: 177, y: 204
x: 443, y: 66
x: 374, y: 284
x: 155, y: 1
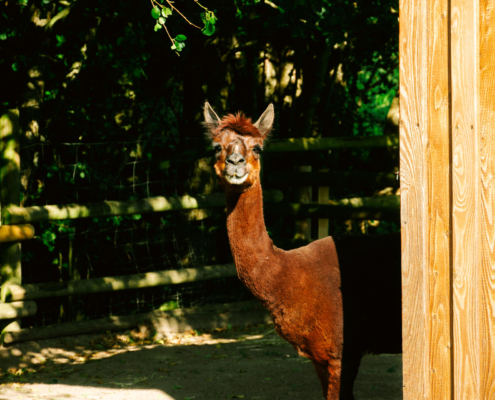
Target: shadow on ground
x: 247, y: 364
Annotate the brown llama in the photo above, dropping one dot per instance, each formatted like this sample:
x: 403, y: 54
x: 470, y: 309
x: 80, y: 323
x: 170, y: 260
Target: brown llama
x: 334, y: 299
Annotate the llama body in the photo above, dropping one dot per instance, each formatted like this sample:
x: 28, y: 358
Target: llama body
x: 333, y: 299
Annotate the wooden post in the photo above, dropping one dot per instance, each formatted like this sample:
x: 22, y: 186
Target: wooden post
x: 303, y: 226
x: 486, y: 157
x: 323, y: 198
x: 10, y: 253
x: 447, y: 134
x: 466, y: 201
x: 16, y: 233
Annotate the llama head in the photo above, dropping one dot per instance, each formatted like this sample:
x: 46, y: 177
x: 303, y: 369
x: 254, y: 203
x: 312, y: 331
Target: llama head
x: 237, y: 144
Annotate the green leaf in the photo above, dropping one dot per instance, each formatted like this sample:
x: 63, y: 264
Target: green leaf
x: 155, y: 13
x: 209, y: 29
x: 169, y: 305
x: 213, y: 20
x: 173, y: 47
x: 161, y: 20
x: 157, y: 26
x: 166, y: 12
x: 15, y: 67
x: 180, y: 38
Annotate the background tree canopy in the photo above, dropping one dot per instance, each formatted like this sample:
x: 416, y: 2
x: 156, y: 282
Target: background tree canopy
x: 94, y: 70
x: 109, y: 111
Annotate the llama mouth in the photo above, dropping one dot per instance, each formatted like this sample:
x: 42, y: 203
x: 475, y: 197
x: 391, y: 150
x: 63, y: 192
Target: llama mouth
x: 236, y: 180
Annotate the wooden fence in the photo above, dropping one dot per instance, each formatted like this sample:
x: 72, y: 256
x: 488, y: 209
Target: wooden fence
x: 447, y: 125
x: 17, y: 299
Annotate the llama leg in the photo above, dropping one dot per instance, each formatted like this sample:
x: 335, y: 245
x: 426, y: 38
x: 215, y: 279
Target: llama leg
x: 350, y: 367
x: 322, y: 372
x: 334, y: 369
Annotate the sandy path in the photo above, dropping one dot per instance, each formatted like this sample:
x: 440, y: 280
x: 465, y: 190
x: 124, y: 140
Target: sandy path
x: 246, y: 364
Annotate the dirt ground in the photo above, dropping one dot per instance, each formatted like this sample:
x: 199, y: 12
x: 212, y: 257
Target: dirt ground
x: 251, y: 363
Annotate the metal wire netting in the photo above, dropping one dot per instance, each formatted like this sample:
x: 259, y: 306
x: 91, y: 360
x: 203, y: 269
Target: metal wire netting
x: 123, y: 245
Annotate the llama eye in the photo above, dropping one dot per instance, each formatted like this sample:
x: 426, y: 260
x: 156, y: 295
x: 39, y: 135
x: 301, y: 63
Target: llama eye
x: 257, y: 149
x: 217, y: 149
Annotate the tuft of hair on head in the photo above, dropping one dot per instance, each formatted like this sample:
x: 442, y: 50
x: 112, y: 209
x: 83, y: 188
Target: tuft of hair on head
x: 240, y: 124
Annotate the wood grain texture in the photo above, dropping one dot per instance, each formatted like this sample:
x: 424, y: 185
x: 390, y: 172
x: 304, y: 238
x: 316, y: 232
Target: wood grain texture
x: 486, y: 283
x: 465, y: 198
x: 438, y: 229
x: 413, y: 49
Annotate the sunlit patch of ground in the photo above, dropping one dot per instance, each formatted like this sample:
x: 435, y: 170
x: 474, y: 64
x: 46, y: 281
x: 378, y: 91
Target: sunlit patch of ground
x: 251, y: 363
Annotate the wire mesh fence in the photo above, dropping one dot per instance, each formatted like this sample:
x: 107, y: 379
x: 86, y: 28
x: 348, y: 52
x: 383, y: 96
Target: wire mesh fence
x: 123, y: 245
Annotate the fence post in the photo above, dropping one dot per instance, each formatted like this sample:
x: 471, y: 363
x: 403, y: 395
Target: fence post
x: 447, y: 67
x: 323, y: 198
x: 425, y: 199
x: 10, y: 253
x: 303, y: 227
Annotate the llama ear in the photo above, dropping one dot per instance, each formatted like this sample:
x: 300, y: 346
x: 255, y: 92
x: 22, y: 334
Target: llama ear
x: 265, y: 123
x: 211, y: 118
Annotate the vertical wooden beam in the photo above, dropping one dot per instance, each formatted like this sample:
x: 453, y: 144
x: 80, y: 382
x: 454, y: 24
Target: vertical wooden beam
x: 10, y: 253
x: 413, y: 49
x: 425, y: 198
x: 486, y: 283
x: 323, y: 198
x: 438, y: 229
x: 303, y: 227
x: 465, y: 197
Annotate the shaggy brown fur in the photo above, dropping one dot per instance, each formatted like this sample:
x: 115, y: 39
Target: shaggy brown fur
x: 333, y: 299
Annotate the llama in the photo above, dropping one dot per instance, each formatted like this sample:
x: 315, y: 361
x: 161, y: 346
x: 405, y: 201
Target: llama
x: 334, y: 299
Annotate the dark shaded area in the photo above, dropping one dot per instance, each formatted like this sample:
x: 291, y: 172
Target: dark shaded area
x: 371, y: 292
x: 109, y: 113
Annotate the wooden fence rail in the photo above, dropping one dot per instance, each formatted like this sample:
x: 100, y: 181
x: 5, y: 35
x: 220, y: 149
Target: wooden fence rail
x: 16, y: 233
x: 209, y: 317
x: 18, y: 309
x: 370, y: 208
x: 19, y: 215
x: 319, y: 144
x: 10, y: 293
x: 351, y: 180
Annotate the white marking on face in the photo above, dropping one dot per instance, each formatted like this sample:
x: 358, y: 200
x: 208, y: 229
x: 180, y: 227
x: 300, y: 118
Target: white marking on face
x: 234, y: 180
x: 236, y: 149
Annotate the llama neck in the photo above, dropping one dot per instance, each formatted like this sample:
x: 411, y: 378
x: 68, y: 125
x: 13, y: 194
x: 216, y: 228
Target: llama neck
x: 252, y: 248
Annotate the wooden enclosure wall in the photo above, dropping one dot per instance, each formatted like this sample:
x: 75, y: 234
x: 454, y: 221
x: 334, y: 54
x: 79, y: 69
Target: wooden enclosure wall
x: 447, y: 134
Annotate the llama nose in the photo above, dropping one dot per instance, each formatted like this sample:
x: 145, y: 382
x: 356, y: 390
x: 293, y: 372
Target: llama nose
x: 236, y: 159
